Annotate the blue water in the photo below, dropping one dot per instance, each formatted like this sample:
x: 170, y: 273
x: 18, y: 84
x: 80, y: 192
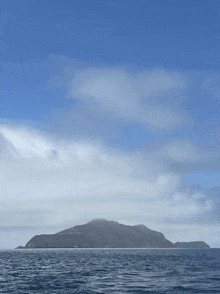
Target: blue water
x: 110, y: 271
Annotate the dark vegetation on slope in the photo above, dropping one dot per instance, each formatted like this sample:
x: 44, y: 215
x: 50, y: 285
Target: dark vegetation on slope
x: 101, y: 233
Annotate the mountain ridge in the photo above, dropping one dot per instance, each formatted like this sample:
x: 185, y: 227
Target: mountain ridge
x: 101, y: 233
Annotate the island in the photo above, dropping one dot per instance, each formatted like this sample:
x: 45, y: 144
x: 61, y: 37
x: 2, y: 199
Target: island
x: 100, y: 233
x: 193, y: 244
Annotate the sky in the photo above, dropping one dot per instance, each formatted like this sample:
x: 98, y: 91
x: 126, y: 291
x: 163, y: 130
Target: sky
x: 110, y: 109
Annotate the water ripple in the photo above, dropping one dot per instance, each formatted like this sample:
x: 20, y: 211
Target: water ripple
x: 110, y: 271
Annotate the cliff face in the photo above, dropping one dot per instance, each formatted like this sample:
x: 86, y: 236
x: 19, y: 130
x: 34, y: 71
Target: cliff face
x: 102, y: 234
x: 194, y: 244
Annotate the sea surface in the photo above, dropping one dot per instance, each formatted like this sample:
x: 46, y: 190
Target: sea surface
x: 86, y: 271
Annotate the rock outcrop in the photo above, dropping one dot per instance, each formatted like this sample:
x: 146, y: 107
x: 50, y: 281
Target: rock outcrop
x: 101, y: 233
x: 194, y: 244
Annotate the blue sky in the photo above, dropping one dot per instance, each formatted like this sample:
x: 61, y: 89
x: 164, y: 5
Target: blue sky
x: 110, y: 109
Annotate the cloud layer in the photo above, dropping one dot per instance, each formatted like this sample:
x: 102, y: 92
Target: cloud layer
x: 71, y: 173
x: 50, y: 183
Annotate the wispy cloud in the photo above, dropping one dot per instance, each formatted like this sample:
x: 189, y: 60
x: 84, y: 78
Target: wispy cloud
x: 144, y: 98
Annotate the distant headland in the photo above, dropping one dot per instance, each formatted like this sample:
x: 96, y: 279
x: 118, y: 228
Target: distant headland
x: 101, y: 233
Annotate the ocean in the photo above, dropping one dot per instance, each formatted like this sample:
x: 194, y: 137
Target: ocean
x: 65, y: 271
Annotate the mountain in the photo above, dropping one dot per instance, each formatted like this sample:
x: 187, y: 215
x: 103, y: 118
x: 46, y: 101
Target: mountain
x: 101, y: 233
x: 194, y: 244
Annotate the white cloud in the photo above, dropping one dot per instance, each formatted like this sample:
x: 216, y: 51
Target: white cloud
x: 47, y: 181
x: 87, y: 180
x: 145, y: 98
x: 182, y: 151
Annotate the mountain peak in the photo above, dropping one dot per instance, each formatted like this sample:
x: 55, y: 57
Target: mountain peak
x: 98, y: 220
x: 101, y: 233
x: 102, y: 221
